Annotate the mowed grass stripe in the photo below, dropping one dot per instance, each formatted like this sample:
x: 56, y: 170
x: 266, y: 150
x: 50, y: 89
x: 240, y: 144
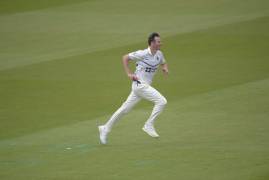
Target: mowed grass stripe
x: 54, y: 33
x: 32, y: 47
x: 251, y: 93
x: 17, y: 6
x: 221, y: 130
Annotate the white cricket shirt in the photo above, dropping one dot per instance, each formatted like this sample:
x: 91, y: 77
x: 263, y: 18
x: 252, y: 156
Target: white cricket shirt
x: 146, y: 63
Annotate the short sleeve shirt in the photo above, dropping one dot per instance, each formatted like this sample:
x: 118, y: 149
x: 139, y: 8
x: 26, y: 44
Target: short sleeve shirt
x: 146, y: 63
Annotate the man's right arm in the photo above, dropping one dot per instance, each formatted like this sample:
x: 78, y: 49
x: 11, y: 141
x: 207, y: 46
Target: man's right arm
x: 125, y: 62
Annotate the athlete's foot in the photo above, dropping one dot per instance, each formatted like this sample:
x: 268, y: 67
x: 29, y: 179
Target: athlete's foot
x: 149, y: 129
x: 103, y: 134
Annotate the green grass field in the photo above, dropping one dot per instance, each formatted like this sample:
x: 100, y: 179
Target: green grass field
x: 61, y: 76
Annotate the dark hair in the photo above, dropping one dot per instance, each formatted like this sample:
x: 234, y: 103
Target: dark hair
x: 152, y: 37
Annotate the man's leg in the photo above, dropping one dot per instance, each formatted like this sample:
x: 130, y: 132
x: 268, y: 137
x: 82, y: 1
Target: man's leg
x: 132, y: 100
x: 125, y: 108
x: 159, y: 100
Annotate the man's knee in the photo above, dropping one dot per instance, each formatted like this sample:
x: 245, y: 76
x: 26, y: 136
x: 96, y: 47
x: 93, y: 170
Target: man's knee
x: 125, y: 109
x: 162, y: 101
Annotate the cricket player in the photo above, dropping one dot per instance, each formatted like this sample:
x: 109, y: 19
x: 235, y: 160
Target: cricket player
x: 147, y: 63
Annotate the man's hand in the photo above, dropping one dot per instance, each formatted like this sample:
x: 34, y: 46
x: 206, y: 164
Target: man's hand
x: 133, y: 77
x: 165, y: 69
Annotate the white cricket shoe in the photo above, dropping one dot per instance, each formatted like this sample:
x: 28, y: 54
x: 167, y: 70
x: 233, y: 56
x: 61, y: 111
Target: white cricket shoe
x: 149, y: 129
x: 103, y: 134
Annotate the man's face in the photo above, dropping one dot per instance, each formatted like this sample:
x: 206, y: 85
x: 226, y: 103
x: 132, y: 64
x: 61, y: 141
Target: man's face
x: 156, y: 44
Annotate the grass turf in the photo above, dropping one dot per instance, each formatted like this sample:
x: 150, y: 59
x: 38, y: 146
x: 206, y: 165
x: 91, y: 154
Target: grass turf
x: 61, y: 76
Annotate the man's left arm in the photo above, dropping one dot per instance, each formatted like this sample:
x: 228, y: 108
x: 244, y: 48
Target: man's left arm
x: 165, y: 68
x: 164, y: 65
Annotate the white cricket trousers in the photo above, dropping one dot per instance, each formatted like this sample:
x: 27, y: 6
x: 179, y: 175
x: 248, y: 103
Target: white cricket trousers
x: 139, y: 91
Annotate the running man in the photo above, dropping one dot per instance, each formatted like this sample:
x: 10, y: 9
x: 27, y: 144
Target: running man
x: 147, y: 63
